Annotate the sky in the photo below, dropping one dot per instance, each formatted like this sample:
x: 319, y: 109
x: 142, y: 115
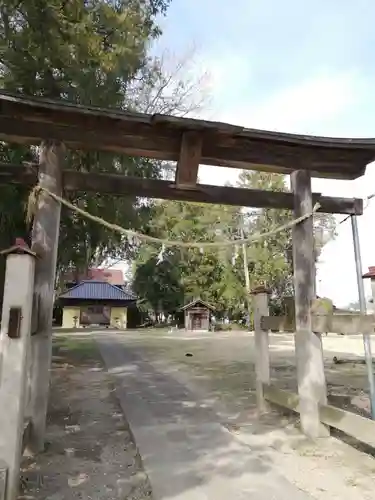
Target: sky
x: 290, y: 66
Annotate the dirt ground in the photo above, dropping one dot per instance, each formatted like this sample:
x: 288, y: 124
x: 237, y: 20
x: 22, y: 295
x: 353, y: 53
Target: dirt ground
x: 90, y: 452
x: 226, y: 360
x: 219, y: 370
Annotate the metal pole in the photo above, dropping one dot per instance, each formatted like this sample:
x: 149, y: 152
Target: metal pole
x: 362, y: 305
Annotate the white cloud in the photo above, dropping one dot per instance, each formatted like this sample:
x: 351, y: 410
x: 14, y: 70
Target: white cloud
x: 229, y: 77
x: 305, y: 106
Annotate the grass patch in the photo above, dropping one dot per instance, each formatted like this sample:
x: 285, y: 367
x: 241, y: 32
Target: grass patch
x: 75, y: 351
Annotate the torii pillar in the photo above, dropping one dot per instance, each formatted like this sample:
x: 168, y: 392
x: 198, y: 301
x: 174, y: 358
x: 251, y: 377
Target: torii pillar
x: 312, y: 388
x: 45, y: 237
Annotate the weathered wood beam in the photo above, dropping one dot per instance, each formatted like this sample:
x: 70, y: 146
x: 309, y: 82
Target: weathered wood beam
x: 281, y: 397
x: 312, y: 389
x: 30, y: 120
x: 11, y: 173
x: 361, y: 428
x: 165, y: 144
x: 262, y: 353
x: 162, y: 148
x: 45, y: 238
x: 120, y: 185
x: 188, y: 163
x: 342, y: 324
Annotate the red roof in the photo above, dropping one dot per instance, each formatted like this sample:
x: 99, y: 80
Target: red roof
x: 20, y: 247
x: 112, y: 276
x: 370, y: 273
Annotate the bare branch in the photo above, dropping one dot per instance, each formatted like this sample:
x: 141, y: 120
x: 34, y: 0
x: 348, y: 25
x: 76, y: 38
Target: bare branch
x: 171, y: 85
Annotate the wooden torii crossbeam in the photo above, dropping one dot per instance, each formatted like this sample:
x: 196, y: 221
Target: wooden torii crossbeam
x: 121, y: 185
x: 58, y: 125
x: 191, y: 142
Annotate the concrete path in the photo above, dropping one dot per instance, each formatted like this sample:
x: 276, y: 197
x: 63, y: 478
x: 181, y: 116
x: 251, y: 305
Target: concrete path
x: 187, y: 453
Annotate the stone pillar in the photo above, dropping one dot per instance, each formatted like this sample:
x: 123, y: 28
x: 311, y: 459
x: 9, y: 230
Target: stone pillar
x: 14, y: 352
x: 262, y: 357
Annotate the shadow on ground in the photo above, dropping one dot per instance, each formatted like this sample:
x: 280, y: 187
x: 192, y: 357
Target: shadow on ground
x: 90, y: 451
x: 181, y: 438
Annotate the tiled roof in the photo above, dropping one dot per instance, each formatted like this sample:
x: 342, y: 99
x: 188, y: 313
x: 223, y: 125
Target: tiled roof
x: 112, y: 276
x: 96, y: 290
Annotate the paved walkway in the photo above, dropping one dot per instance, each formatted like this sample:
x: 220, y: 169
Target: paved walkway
x: 187, y: 453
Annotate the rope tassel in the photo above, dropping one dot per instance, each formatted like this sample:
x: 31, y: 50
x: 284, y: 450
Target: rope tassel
x: 161, y: 255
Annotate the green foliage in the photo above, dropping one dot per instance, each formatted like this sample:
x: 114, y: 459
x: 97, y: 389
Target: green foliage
x: 270, y: 259
x: 159, y: 283
x: 83, y: 51
x: 184, y: 273
x: 91, y: 53
x: 96, y: 53
x: 217, y: 275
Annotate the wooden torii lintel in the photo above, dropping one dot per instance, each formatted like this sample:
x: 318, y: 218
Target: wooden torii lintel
x: 188, y: 163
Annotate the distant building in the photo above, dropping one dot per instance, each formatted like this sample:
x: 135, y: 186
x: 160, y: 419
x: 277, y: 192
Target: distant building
x: 197, y: 315
x: 95, y: 297
x: 95, y: 302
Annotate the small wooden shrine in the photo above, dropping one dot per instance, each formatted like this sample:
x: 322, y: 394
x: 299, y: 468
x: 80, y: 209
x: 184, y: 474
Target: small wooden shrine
x: 197, y: 315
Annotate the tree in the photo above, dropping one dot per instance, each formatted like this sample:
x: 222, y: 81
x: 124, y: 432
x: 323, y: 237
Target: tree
x: 171, y: 86
x: 92, y: 53
x: 188, y: 273
x: 272, y: 258
x: 217, y: 275
x: 87, y: 53
x: 158, y: 284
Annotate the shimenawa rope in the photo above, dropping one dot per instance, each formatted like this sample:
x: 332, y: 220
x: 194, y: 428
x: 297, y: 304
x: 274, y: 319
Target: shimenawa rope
x: 33, y: 197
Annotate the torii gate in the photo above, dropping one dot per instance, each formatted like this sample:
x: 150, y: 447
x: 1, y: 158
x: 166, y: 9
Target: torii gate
x: 57, y: 125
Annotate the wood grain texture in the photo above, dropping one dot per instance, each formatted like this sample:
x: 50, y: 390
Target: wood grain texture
x: 31, y: 120
x: 45, y: 238
x: 360, y: 428
x: 188, y: 162
x: 309, y: 358
x: 262, y: 354
x: 120, y: 185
